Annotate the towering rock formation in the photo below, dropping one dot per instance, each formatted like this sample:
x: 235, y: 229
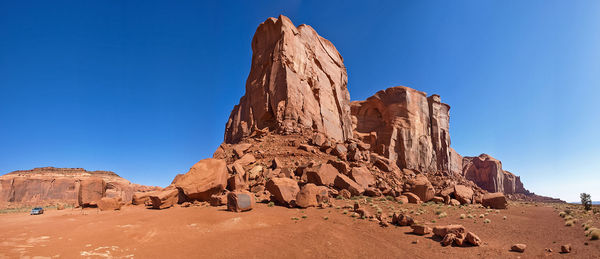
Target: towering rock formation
x: 487, y: 173
x: 297, y: 81
x: 407, y: 127
x: 70, y: 185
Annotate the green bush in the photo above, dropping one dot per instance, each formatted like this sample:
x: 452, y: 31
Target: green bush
x: 586, y: 201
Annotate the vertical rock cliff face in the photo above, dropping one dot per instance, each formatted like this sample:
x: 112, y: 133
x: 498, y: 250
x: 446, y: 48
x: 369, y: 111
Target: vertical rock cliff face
x: 487, y: 173
x: 407, y: 127
x: 297, y: 81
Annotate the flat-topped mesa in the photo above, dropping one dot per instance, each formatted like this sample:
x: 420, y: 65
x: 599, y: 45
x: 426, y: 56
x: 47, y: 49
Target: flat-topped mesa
x: 407, y: 127
x: 297, y: 81
x: 63, y: 172
x: 47, y: 185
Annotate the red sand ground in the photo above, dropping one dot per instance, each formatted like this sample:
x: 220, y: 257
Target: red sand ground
x: 270, y: 232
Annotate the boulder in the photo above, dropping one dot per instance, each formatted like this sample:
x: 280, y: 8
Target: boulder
x: 109, y: 204
x: 318, y: 139
x: 420, y: 229
x: 362, y: 176
x: 372, y: 192
x: 460, y: 239
x: 442, y: 231
x: 421, y: 187
x: 454, y: 202
x: 343, y: 182
x: 218, y: 199
x: 412, y: 198
x: 448, y: 239
x: 240, y: 201
x: 240, y: 149
x: 565, y: 248
x: 311, y: 195
x: 236, y: 183
x: 473, y: 239
x: 297, y: 82
x: 402, y: 220
x: 340, y: 150
x: 164, y: 199
x: 91, y: 190
x: 345, y: 194
x: 402, y: 199
x: 321, y: 175
x: 341, y: 166
x: 463, y: 194
x: 239, y: 169
x: 245, y: 160
x: 205, y: 178
x: 284, y: 190
x: 255, y: 172
x: 518, y: 248
x: 438, y: 199
x: 140, y: 198
x: 494, y: 200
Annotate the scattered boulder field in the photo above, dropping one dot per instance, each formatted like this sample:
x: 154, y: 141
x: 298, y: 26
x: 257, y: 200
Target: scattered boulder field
x: 296, y: 139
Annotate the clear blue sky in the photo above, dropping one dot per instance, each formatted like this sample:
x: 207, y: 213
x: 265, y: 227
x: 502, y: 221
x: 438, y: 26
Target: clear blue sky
x: 144, y: 88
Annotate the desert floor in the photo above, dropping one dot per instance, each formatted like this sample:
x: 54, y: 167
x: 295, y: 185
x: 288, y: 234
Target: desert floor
x: 278, y: 232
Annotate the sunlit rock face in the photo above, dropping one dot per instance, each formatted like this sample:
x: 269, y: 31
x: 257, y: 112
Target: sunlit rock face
x: 407, y: 127
x: 297, y: 81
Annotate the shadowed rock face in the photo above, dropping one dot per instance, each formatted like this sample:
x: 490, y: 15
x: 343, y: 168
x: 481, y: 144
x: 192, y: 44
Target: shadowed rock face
x: 49, y: 184
x: 407, y: 127
x: 297, y: 81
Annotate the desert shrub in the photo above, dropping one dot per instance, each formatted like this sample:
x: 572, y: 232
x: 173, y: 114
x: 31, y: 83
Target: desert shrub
x: 487, y: 221
x: 562, y: 214
x: 345, y: 212
x: 270, y: 204
x: 295, y: 218
x: 569, y: 223
x: 481, y: 216
x: 462, y: 216
x: 389, y: 198
x: 325, y: 218
x: 442, y: 215
x: 438, y: 212
x: 595, y: 235
x: 339, y: 197
x: 304, y: 216
x: 354, y: 215
x: 470, y: 216
x: 586, y: 201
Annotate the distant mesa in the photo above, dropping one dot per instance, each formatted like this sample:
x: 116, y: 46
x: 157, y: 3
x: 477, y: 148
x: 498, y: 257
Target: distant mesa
x: 50, y: 185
